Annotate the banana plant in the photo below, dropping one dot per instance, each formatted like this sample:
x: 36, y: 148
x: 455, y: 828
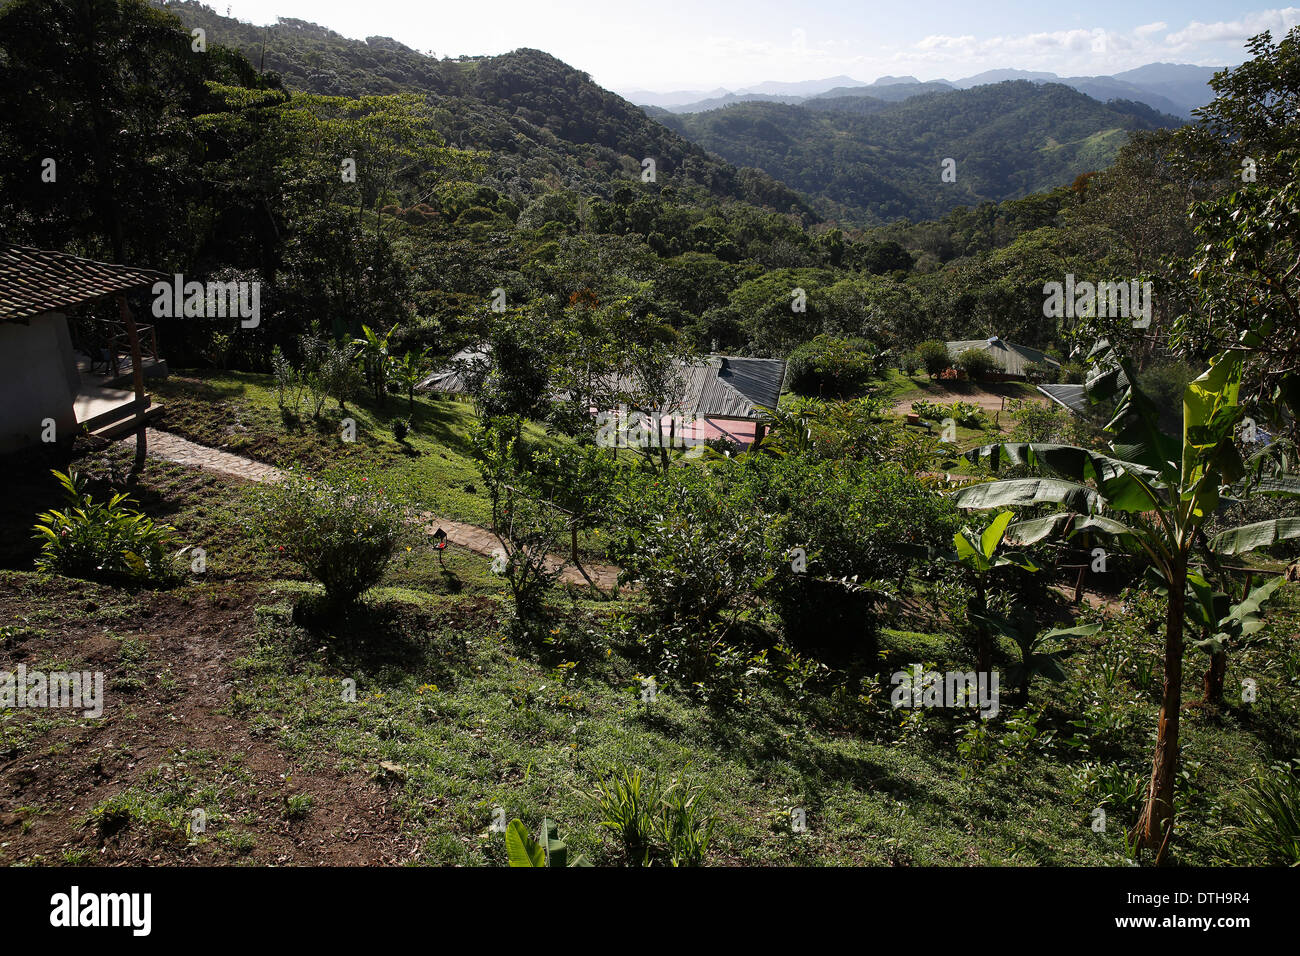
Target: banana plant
x: 373, y: 354
x: 980, y: 553
x: 1036, y: 660
x: 408, y: 371
x: 1223, y: 625
x: 1152, y: 493
x: 523, y: 850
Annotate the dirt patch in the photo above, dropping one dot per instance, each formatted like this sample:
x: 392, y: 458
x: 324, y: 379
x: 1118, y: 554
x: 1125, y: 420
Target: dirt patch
x: 992, y: 398
x: 120, y: 789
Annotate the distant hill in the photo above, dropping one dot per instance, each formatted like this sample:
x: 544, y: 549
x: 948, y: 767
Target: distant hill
x: 866, y: 161
x: 543, y: 122
x: 1174, y: 88
x: 894, y: 92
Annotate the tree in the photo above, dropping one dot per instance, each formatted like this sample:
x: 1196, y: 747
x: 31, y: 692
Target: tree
x: 109, y: 90
x: 1247, y: 273
x: 371, y: 351
x: 408, y: 372
x: 976, y: 363
x: 935, y: 358
x: 1164, y: 490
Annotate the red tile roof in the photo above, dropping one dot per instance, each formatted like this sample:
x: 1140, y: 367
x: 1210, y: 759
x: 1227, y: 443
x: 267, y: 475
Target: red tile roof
x: 34, y: 281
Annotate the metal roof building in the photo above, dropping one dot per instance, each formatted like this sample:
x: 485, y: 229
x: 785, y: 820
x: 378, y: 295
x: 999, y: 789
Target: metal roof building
x: 719, y: 386
x: 1008, y: 358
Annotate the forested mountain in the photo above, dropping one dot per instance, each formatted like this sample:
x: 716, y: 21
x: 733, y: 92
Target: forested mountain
x: 864, y: 161
x: 538, y: 118
x: 1174, y: 88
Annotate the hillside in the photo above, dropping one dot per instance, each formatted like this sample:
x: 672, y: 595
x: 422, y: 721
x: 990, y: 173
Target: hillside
x: 1174, y: 88
x: 540, y: 119
x: 863, y: 161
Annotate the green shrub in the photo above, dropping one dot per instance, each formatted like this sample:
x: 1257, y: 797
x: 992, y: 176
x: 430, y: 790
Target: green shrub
x: 831, y: 367
x: 965, y: 414
x: 1072, y: 373
x: 654, y: 825
x: 1040, y: 372
x: 934, y: 357
x: 696, y: 563
x: 976, y: 363
x: 342, y: 531
x: 1037, y: 422
x: 102, y: 540
x: 401, y: 428
x: 852, y: 521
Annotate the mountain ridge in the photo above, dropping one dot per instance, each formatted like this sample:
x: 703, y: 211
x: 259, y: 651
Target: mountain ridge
x: 1174, y: 88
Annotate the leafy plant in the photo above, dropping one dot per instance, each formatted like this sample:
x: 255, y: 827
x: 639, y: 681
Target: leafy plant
x: 634, y: 808
x: 103, y: 540
x: 408, y: 371
x: 343, y: 531
x: 528, y: 529
x: 522, y: 850
x: 1036, y: 660
x: 979, y: 553
x: 371, y: 351
x: 685, y: 830
x: 1222, y: 625
x: 628, y: 809
x: 1271, y: 816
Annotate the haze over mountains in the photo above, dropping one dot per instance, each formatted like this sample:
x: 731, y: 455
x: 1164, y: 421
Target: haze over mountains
x: 1173, y: 88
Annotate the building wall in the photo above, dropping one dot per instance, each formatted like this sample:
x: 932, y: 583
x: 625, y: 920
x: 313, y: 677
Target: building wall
x: 38, y: 380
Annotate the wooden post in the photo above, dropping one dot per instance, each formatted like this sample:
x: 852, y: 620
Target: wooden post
x: 137, y: 377
x: 1083, y: 568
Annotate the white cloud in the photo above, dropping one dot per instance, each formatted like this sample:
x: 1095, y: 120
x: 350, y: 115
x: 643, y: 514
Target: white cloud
x: 1279, y: 21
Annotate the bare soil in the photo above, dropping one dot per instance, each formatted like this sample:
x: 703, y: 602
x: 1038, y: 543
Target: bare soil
x: 164, y: 719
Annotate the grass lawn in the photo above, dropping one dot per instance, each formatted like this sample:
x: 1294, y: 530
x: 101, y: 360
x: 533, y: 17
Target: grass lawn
x: 434, y: 469
x: 452, y: 720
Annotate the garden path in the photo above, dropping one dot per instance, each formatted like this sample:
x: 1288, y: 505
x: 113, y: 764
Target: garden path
x: 182, y: 451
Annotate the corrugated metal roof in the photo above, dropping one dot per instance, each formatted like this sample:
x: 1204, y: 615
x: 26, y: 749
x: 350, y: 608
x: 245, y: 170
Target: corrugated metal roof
x: 454, y: 377
x: 36, y: 281
x: 1011, y: 359
x: 720, y: 386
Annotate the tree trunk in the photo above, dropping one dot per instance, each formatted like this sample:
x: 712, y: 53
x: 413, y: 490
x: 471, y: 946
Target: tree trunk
x: 983, y: 640
x: 1214, y: 676
x: 577, y: 562
x: 137, y: 377
x: 1155, y: 825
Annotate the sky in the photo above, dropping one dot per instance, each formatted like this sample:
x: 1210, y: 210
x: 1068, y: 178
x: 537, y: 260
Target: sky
x: 664, y: 45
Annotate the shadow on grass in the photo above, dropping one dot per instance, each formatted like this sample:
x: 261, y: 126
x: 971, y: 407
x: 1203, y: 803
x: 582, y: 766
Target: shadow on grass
x: 371, y: 638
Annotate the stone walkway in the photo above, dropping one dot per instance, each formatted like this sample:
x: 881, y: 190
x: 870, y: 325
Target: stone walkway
x: 185, y: 452
x: 173, y: 448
